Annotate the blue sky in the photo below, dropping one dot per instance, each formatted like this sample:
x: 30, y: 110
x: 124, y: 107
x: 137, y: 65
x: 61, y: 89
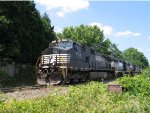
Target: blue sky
x: 124, y: 23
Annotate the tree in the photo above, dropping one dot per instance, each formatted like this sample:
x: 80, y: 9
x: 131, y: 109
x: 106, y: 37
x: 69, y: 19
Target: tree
x: 115, y: 52
x: 133, y: 56
x: 5, y: 50
x: 91, y: 36
x: 24, y: 33
x: 49, y: 33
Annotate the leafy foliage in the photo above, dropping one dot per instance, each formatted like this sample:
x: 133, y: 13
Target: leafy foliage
x: 26, y: 76
x: 23, y: 32
x: 3, y: 74
x: 146, y: 73
x: 91, y: 97
x: 115, y: 52
x: 133, y: 56
x: 2, y: 99
x: 90, y: 36
x: 93, y: 36
x: 139, y: 85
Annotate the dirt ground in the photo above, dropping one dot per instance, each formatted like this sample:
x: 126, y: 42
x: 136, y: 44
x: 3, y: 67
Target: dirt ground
x: 41, y: 92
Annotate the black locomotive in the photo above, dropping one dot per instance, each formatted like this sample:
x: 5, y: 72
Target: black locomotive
x: 66, y: 61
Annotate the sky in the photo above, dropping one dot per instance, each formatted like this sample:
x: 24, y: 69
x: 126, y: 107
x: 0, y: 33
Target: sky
x: 125, y: 23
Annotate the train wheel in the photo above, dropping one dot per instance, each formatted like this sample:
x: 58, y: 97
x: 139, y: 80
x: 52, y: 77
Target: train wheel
x: 68, y: 81
x: 71, y: 81
x: 75, y: 80
x: 56, y: 79
x: 41, y: 79
x: 102, y: 80
x: 80, y: 80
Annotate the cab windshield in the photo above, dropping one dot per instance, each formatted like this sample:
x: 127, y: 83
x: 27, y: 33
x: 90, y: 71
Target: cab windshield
x: 62, y: 45
x: 65, y: 45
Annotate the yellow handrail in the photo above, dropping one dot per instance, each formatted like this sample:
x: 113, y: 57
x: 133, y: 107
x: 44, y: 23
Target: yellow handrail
x: 37, y: 62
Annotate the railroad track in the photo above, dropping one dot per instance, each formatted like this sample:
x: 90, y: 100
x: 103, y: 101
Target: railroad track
x: 22, y: 88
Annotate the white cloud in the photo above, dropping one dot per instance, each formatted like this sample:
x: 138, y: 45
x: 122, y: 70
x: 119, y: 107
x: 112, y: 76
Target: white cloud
x: 107, y: 29
x: 62, y: 7
x: 60, y: 14
x: 127, y: 33
x: 148, y: 37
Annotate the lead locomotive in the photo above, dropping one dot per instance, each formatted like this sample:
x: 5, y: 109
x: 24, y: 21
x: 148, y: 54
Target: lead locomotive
x: 66, y: 61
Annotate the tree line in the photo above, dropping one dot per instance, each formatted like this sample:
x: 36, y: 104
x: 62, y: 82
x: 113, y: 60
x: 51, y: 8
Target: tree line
x: 24, y: 33
x: 93, y: 36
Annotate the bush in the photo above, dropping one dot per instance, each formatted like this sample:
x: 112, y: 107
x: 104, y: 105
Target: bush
x: 91, y: 97
x: 3, y: 74
x: 146, y: 72
x: 26, y: 76
x: 2, y: 98
x: 139, y: 84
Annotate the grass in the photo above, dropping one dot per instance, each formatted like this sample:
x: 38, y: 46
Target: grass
x: 90, y: 98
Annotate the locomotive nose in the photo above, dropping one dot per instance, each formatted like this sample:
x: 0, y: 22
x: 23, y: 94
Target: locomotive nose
x: 48, y: 51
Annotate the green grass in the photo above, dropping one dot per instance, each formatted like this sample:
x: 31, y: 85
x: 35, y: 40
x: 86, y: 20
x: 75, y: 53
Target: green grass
x: 90, y: 98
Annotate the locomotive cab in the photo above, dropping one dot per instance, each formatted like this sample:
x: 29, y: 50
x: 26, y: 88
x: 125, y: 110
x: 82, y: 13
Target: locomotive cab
x: 56, y: 53
x: 118, y: 67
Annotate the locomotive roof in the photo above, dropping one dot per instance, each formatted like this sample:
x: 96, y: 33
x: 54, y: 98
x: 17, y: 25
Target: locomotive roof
x: 61, y: 40
x: 106, y: 56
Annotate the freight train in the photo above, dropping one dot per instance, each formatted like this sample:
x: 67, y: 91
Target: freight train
x: 66, y: 61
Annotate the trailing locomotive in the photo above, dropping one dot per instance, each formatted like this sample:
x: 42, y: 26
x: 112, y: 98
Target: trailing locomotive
x: 66, y: 61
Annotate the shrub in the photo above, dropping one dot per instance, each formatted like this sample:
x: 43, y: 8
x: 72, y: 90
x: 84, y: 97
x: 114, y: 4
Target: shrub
x: 146, y: 72
x: 139, y: 84
x: 3, y: 74
x: 91, y: 97
x: 27, y: 74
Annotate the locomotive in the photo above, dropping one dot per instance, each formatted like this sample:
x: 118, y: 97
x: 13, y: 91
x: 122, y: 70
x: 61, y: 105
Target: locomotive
x: 66, y: 61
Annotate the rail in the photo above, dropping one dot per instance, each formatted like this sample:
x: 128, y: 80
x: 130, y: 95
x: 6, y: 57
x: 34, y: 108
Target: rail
x: 22, y: 88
